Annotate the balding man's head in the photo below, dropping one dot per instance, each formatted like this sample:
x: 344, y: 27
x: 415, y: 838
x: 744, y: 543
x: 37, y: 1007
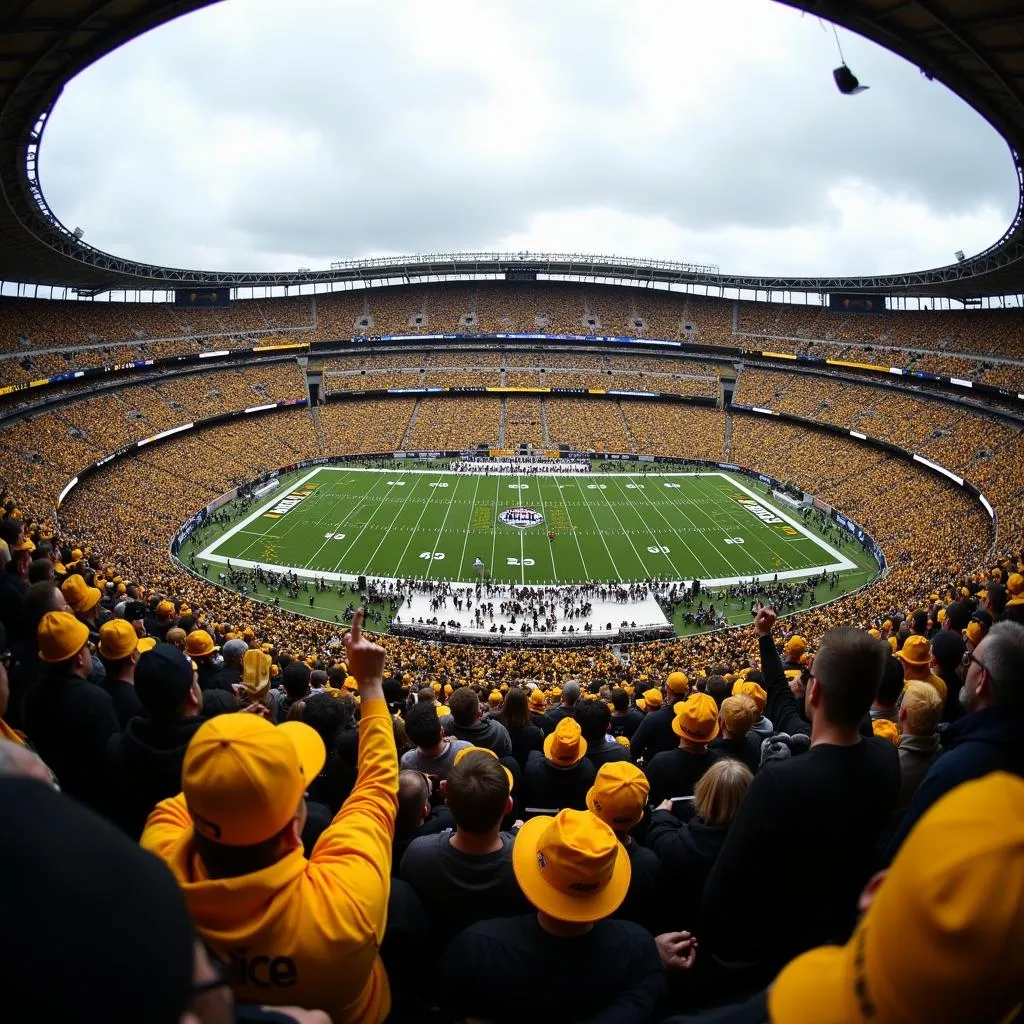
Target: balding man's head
x: 570, y: 694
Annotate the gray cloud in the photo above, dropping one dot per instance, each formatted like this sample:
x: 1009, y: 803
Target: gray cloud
x: 232, y: 140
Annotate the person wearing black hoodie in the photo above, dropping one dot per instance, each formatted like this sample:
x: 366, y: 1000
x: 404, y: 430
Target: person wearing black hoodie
x: 688, y: 850
x: 145, y: 760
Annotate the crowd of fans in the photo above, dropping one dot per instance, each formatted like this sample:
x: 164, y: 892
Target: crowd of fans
x: 277, y: 836
x: 46, y: 338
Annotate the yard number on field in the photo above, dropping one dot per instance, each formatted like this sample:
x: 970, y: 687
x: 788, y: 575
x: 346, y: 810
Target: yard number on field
x: 435, y: 555
x: 334, y: 536
x: 524, y: 561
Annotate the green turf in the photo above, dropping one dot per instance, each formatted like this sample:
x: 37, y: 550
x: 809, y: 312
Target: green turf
x: 432, y: 524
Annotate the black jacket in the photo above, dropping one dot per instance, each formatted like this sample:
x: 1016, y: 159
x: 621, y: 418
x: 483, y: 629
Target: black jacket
x: 145, y: 767
x: 524, y: 742
x: 654, y: 735
x: 69, y: 721
x: 542, y: 722
x: 556, y: 714
x: 687, y: 850
x: 126, y: 701
x: 224, y: 678
x: 627, y: 724
x: 604, y: 753
x: 746, y: 749
x: 548, y: 789
x: 208, y: 671
x: 979, y: 743
x: 821, y: 813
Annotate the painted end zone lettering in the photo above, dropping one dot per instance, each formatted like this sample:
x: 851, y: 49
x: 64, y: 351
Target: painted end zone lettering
x: 287, y: 503
x: 766, y: 515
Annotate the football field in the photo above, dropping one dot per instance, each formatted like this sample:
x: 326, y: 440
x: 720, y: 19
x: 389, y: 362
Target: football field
x: 340, y: 522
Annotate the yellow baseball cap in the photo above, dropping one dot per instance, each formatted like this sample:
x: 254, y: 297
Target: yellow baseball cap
x: 199, y: 643
x: 256, y: 672
x: 794, y: 647
x: 243, y: 778
x: 146, y: 643
x: 755, y: 691
x: 118, y: 639
x: 619, y: 795
x: 677, y: 682
x: 935, y: 945
x: 696, y: 718
x: 651, y: 700
x: 537, y: 701
x: 572, y: 867
x: 60, y: 636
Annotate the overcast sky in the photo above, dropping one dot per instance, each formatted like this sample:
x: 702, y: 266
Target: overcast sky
x: 258, y: 135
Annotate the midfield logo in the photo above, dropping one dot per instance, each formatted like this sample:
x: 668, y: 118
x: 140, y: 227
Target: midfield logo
x: 521, y: 517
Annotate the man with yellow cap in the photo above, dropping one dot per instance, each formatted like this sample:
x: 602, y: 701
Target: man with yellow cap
x: 820, y: 813
x: 118, y: 650
x: 292, y: 931
x: 68, y: 719
x: 655, y: 733
x: 672, y: 774
x: 618, y: 797
x: 568, y: 956
x: 562, y: 777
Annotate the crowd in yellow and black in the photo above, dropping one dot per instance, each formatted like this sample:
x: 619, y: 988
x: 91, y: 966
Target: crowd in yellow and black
x: 217, y: 825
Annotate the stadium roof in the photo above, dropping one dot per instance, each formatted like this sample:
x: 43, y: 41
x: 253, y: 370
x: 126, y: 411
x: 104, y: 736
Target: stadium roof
x: 975, y: 47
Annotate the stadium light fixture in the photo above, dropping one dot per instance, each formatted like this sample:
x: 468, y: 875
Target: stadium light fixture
x: 847, y: 82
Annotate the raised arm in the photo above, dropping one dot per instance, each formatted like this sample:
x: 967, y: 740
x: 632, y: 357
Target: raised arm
x: 355, y: 849
x: 780, y: 708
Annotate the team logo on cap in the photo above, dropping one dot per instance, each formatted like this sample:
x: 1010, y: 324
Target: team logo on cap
x: 521, y: 517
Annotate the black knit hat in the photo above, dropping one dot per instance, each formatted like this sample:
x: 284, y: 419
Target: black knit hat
x: 163, y: 678
x: 94, y: 927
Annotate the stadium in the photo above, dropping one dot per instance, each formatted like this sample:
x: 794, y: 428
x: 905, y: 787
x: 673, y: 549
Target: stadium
x: 574, y: 470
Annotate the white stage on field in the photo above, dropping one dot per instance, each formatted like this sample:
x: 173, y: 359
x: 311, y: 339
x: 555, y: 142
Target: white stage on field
x: 606, y: 618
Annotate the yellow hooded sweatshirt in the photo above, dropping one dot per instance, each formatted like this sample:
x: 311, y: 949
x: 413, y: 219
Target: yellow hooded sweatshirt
x: 303, y: 932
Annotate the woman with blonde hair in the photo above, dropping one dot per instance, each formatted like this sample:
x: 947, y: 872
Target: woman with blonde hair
x: 688, y: 849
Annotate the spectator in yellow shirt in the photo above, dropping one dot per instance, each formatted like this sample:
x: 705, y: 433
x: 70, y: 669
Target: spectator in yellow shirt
x: 292, y: 931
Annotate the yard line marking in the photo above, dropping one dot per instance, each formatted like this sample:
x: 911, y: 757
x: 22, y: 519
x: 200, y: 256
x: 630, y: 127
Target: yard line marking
x: 650, y: 532
x: 679, y: 536
x: 373, y: 515
x: 472, y: 509
x: 600, y: 532
x: 415, y: 529
x: 522, y: 538
x: 211, y: 548
x: 647, y: 572
x: 448, y: 508
x: 551, y: 546
x: 343, y: 496
x: 387, y: 532
x: 494, y: 527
